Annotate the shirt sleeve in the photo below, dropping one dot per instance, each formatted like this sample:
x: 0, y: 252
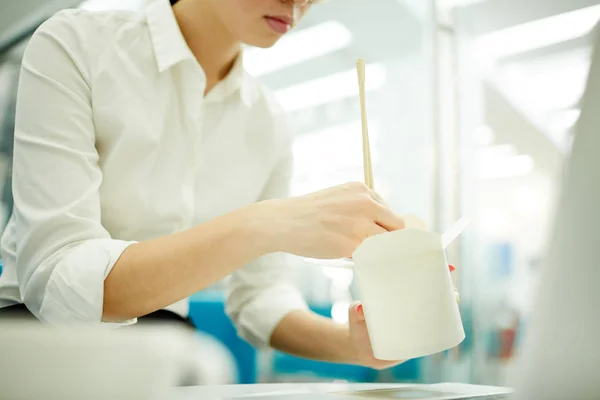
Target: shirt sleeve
x: 260, y: 295
x: 63, y: 251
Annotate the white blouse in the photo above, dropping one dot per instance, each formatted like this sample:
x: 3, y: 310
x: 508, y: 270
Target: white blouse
x: 115, y: 143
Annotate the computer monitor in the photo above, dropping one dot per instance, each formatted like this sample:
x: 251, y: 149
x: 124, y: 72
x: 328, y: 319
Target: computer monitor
x: 560, y: 358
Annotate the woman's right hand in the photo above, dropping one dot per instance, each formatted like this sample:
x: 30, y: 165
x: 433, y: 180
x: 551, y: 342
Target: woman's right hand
x: 327, y: 224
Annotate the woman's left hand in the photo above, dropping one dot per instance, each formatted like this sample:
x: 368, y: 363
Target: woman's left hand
x: 361, y: 344
x: 359, y: 338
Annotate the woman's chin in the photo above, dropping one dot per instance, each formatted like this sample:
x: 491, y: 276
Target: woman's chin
x: 262, y: 41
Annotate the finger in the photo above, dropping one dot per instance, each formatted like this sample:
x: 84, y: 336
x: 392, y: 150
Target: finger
x: 388, y: 219
x: 355, y: 313
x: 375, y: 229
x: 360, y: 311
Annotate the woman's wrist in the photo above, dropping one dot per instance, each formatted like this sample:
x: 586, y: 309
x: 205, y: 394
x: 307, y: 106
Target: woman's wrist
x: 261, y: 223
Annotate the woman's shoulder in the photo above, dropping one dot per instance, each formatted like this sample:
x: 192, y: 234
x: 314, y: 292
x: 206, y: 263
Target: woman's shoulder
x: 85, y: 35
x: 89, y: 26
x: 91, y: 19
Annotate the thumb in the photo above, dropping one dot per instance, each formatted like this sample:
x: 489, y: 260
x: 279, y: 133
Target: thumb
x: 356, y: 313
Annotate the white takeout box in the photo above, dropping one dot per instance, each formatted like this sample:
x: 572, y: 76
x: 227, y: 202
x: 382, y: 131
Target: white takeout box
x: 407, y: 293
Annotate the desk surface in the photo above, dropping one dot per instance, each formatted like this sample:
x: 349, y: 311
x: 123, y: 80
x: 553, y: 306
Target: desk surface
x: 327, y: 390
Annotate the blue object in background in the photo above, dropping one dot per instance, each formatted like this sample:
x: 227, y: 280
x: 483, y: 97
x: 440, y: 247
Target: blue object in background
x: 466, y: 313
x: 409, y: 371
x: 207, y: 311
x: 501, y: 258
x: 287, y: 365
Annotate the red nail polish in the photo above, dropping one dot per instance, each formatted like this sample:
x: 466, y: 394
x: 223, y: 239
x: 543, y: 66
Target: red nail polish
x: 359, y: 308
x: 452, y: 267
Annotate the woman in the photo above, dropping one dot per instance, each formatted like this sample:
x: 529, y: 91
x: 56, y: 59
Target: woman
x: 148, y: 165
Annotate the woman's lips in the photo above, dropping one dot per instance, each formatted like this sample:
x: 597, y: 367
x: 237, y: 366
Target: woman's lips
x: 279, y: 25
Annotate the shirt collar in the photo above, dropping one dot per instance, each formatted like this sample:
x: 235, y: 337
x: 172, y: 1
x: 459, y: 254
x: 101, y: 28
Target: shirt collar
x: 236, y: 80
x: 170, y: 48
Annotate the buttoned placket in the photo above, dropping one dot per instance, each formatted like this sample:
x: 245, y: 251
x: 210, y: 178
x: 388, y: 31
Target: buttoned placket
x: 193, y: 87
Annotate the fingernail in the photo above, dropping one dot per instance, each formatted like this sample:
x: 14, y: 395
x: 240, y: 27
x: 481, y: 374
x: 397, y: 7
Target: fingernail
x: 359, y: 309
x: 452, y: 267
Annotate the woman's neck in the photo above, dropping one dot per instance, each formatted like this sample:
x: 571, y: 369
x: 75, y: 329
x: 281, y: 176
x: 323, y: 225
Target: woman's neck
x: 208, y: 38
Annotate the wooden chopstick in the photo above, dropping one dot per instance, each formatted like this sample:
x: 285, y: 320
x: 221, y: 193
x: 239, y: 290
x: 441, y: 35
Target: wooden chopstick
x: 368, y: 170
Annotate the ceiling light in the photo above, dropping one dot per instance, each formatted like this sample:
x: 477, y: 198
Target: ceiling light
x: 329, y: 89
x: 297, y: 47
x: 332, y: 149
x: 538, y: 34
x: 459, y: 3
x: 507, y: 167
x: 483, y: 136
x: 495, y: 153
x: 547, y: 84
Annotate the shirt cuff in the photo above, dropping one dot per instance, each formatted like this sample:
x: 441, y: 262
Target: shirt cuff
x: 259, y: 318
x: 75, y: 291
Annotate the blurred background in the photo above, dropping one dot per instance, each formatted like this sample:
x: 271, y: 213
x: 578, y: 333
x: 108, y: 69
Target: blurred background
x: 470, y: 104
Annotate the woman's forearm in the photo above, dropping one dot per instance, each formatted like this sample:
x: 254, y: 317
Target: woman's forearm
x: 330, y: 223
x: 153, y: 274
x: 308, y: 335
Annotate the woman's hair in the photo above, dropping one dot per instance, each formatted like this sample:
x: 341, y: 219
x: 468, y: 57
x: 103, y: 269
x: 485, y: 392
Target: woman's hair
x: 173, y: 2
